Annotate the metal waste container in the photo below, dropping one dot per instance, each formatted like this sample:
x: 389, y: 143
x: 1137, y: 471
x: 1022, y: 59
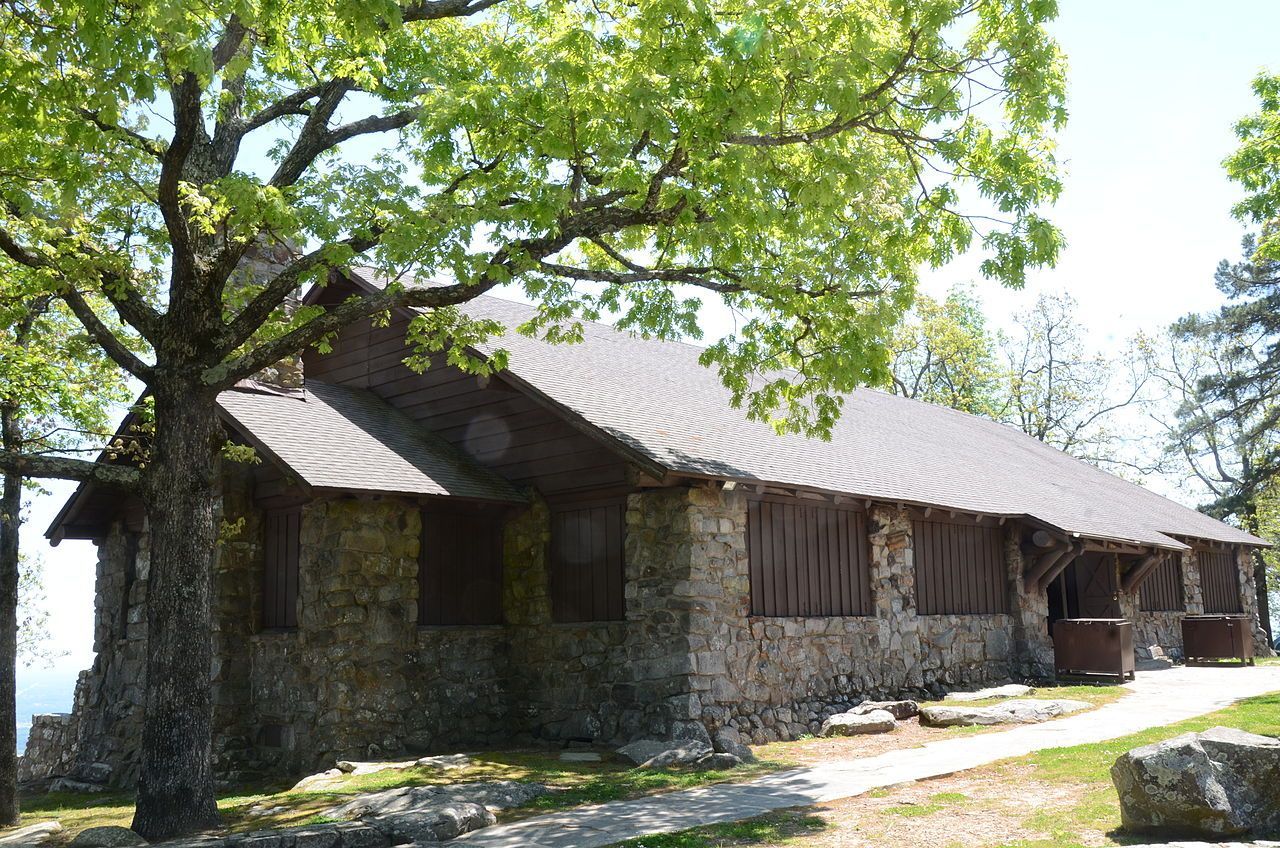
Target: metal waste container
x: 1217, y: 637
x: 1093, y: 647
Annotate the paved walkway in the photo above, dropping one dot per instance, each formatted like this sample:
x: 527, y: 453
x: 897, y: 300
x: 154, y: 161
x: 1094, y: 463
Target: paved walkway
x: 1157, y: 698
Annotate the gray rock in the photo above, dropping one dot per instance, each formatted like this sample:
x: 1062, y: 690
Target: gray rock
x: 444, y: 761
x: 1027, y: 711
x: 717, y: 762
x: 678, y: 754
x: 435, y: 825
x: 43, y: 833
x: 580, y: 757
x: 106, y: 837
x: 643, y: 750
x: 849, y: 724
x: 315, y: 837
x: 1222, y: 782
x: 495, y: 795
x: 729, y: 741
x: 66, y: 784
x: 900, y: 710
x: 1010, y: 690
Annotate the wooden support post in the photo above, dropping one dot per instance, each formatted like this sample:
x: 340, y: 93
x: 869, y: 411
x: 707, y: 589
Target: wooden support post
x: 1139, y: 573
x: 1060, y: 566
x: 1058, y: 549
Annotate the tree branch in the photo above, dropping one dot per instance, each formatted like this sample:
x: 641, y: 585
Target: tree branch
x: 64, y: 468
x: 258, y: 310
x: 136, y: 140
x: 432, y: 10
x: 109, y: 341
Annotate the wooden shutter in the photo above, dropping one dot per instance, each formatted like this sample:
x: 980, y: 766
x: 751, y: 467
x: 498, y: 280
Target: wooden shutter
x: 1219, y: 580
x: 280, y: 571
x: 807, y: 559
x: 587, y: 569
x: 960, y: 569
x: 460, y: 568
x: 1162, y: 589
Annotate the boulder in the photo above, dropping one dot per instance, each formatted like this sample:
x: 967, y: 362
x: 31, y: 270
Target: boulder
x: 1222, y: 782
x: 580, y: 757
x: 900, y: 710
x: 107, y: 837
x: 643, y: 750
x: 495, y: 795
x: 1028, y: 711
x: 850, y: 724
x: 729, y: 741
x: 717, y: 762
x: 67, y: 784
x: 434, y: 825
x: 1010, y: 690
x: 44, y: 833
x: 677, y: 755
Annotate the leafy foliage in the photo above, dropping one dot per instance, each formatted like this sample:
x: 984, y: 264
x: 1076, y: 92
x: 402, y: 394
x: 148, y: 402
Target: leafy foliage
x: 945, y: 354
x: 800, y: 164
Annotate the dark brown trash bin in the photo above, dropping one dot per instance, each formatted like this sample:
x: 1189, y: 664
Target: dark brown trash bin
x: 1217, y: 637
x: 1093, y: 647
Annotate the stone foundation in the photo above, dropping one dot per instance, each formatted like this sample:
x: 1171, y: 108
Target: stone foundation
x: 359, y: 679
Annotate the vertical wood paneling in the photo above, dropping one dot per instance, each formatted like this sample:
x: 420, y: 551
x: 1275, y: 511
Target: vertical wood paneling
x: 280, y: 568
x: 1219, y: 580
x: 460, y: 568
x: 807, y: 559
x: 1162, y: 588
x: 959, y: 569
x: 587, y: 569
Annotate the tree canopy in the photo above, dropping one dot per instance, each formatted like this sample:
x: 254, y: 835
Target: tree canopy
x: 799, y: 161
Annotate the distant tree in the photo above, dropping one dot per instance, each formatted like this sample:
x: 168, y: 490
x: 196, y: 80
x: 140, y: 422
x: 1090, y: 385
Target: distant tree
x: 798, y: 160
x: 1063, y: 393
x: 33, y: 614
x: 56, y: 387
x: 943, y: 353
x: 1222, y: 371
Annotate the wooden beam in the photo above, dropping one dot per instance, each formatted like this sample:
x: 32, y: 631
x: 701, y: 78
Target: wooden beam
x: 1045, y: 562
x: 1136, y: 575
x: 1077, y: 548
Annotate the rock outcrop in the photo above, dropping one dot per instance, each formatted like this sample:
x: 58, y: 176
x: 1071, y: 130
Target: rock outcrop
x: 1027, y: 711
x: 851, y: 724
x: 1222, y: 782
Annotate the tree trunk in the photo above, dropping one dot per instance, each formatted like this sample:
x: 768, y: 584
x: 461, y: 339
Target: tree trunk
x: 1264, y: 600
x: 10, y: 522
x: 180, y: 490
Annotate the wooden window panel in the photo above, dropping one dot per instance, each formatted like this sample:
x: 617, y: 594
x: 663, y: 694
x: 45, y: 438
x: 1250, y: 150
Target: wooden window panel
x: 1162, y: 589
x: 587, y: 568
x: 807, y: 559
x: 460, y: 568
x: 280, y: 568
x: 960, y: 569
x: 1219, y: 580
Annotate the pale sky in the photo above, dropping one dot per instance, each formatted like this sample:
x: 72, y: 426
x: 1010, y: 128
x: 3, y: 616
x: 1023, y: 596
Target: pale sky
x: 1154, y: 90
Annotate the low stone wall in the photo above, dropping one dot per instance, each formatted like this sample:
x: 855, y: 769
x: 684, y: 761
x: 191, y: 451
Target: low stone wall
x: 50, y: 751
x: 1157, y: 635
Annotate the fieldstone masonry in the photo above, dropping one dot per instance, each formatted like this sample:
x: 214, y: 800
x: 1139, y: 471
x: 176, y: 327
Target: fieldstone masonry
x: 358, y: 679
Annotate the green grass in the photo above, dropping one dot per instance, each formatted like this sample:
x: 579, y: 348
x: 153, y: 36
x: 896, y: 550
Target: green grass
x: 786, y: 827
x: 1085, y: 767
x: 571, y: 784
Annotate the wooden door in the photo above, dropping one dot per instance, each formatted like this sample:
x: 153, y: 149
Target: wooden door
x: 1098, y: 586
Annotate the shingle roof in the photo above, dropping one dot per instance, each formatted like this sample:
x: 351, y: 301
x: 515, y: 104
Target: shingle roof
x: 656, y: 398
x: 338, y: 438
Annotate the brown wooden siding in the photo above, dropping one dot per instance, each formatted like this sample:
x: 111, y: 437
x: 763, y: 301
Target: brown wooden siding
x: 1219, y: 580
x: 502, y: 428
x: 460, y: 568
x: 587, y: 568
x: 280, y: 571
x: 960, y: 569
x: 1162, y: 589
x: 807, y: 559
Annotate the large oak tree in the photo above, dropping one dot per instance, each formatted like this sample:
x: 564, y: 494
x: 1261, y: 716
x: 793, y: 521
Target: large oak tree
x: 798, y: 160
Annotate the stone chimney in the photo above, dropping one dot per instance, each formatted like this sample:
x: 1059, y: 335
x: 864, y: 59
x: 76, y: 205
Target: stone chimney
x: 262, y: 261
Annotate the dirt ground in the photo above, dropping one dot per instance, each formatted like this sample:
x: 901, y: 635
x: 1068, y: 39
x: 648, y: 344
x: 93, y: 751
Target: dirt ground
x: 811, y: 751
x: 958, y: 811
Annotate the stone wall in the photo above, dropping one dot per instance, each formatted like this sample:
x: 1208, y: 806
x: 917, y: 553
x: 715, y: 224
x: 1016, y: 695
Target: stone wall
x: 358, y: 678
x: 50, y: 748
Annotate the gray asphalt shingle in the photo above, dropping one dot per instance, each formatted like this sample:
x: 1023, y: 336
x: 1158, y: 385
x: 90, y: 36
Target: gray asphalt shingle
x: 657, y: 398
x: 339, y: 438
